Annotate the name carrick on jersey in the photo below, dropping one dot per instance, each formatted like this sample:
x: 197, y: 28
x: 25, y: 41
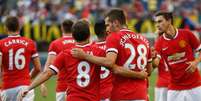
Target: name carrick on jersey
x: 54, y: 49
x: 106, y: 77
x: 133, y: 52
x: 16, y: 52
x: 176, y: 53
x: 83, y: 77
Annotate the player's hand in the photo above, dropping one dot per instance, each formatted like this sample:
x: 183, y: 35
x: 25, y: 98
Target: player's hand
x: 43, y: 90
x: 142, y: 74
x: 153, y: 52
x: 22, y: 93
x: 192, y: 66
x: 78, y: 53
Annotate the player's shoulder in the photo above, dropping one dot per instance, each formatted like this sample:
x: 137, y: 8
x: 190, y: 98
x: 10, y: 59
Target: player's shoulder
x: 184, y: 31
x: 27, y: 39
x: 56, y: 41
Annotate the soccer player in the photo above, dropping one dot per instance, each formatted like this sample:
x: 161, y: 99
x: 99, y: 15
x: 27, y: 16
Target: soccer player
x: 163, y: 78
x: 54, y: 49
x: 16, y: 53
x: 128, y: 50
x: 177, y: 48
x: 106, y: 75
x: 83, y: 77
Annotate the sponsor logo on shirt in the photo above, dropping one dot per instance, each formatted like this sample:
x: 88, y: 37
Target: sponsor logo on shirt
x: 176, y: 56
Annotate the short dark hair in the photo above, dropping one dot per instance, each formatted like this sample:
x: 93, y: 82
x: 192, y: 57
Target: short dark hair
x: 116, y: 14
x: 67, y: 26
x: 166, y: 15
x: 100, y: 29
x: 12, y: 24
x: 80, y: 30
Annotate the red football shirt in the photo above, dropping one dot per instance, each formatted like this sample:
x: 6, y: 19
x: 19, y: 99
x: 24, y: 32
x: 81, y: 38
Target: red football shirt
x: 54, y: 49
x: 16, y: 54
x: 133, y: 52
x: 83, y: 76
x: 177, y: 52
x: 163, y: 79
x: 106, y: 77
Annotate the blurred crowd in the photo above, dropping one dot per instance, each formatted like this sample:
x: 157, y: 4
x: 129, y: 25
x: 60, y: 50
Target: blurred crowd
x: 55, y: 11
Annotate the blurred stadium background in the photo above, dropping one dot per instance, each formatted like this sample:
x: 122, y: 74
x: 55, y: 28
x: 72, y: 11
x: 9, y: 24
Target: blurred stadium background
x: 40, y: 21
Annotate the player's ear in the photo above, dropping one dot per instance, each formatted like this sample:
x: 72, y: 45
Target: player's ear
x: 116, y: 23
x: 169, y: 21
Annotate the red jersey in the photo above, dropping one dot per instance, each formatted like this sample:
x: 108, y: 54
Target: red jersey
x: 16, y: 54
x: 54, y: 49
x: 106, y: 77
x: 177, y: 52
x: 83, y: 76
x: 133, y: 53
x: 163, y: 79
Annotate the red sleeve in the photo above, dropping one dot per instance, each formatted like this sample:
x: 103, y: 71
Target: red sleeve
x: 149, y: 54
x: 1, y: 48
x: 194, y: 42
x: 53, y: 49
x: 112, y: 43
x: 33, y: 49
x: 158, y: 47
x: 58, y: 63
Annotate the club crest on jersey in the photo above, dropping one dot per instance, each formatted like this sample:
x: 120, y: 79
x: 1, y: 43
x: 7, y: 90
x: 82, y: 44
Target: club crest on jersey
x: 182, y: 43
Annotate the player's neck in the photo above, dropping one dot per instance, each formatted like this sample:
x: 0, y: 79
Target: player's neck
x: 171, y: 32
x: 101, y: 40
x: 67, y: 34
x: 13, y: 33
x: 83, y: 42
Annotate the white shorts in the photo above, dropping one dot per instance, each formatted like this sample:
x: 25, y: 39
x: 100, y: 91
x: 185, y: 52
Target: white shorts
x: 107, y: 99
x: 161, y: 94
x: 132, y: 100
x: 185, y: 95
x: 11, y: 94
x: 61, y: 96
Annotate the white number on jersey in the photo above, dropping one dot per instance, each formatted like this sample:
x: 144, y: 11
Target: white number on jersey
x: 106, y: 72
x: 19, y: 59
x: 83, y: 77
x: 141, y: 59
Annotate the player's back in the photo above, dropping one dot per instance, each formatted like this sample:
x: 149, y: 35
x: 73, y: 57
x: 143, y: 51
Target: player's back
x: 83, y: 76
x: 134, y: 53
x: 60, y: 44
x: 106, y: 77
x: 55, y: 48
x: 17, y: 52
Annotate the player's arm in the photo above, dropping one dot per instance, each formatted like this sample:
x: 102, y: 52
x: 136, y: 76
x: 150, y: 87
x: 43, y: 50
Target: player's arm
x: 37, y: 67
x: 0, y: 69
x: 108, y: 61
x: 196, y: 47
x: 119, y: 70
x: 42, y: 77
x: 49, y: 61
x: 193, y: 64
x: 156, y: 61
